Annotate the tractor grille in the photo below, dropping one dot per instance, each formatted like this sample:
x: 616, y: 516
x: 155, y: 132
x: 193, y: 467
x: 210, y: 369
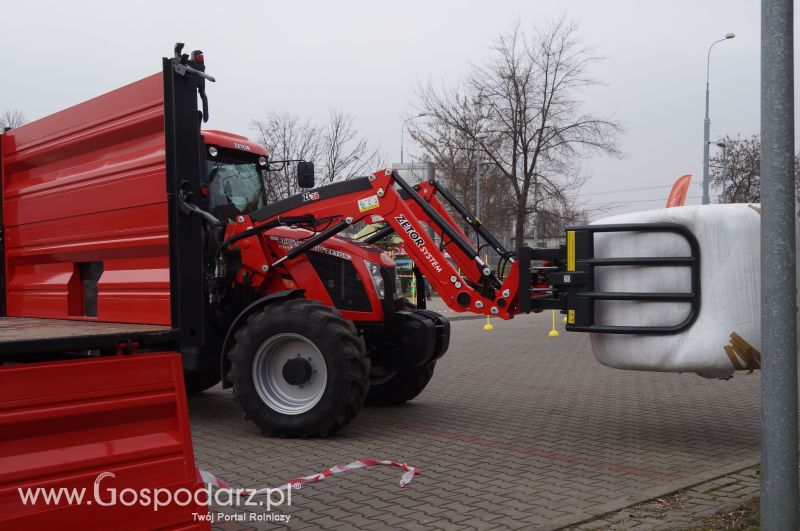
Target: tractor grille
x: 342, y: 282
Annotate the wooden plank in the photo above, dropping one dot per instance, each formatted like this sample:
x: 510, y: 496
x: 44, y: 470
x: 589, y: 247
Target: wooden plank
x: 27, y: 328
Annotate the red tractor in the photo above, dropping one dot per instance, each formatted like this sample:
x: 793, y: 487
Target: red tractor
x: 298, y: 366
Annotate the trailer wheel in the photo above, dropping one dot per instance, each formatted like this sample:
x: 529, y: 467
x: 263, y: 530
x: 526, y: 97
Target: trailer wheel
x: 396, y: 388
x: 299, y: 369
x: 198, y: 381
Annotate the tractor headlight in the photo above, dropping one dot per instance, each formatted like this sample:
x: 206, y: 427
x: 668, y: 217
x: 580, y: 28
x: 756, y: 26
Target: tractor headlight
x: 377, y: 280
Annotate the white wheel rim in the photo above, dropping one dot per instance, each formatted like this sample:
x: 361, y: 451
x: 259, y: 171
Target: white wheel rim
x: 278, y: 394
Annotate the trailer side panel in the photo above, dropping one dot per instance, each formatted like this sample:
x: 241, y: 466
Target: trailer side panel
x: 119, y: 420
x: 85, y: 210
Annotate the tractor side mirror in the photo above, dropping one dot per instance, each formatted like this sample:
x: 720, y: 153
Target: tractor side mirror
x: 305, y: 174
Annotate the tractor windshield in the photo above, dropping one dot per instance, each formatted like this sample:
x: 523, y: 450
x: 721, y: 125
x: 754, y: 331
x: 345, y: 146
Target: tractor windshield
x: 235, y: 187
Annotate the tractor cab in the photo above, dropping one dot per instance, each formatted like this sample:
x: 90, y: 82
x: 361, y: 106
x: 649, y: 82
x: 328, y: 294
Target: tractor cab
x: 236, y: 170
x: 238, y: 174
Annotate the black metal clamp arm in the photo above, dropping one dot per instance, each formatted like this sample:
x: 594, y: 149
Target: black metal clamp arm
x: 571, y: 279
x: 277, y: 222
x: 472, y: 221
x: 313, y: 242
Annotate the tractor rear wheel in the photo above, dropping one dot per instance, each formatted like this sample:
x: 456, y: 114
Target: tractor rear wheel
x: 299, y: 369
x: 395, y: 388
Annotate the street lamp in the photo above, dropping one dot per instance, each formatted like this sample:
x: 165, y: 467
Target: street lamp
x: 724, y: 147
x: 477, y: 150
x: 707, y: 122
x: 403, y: 130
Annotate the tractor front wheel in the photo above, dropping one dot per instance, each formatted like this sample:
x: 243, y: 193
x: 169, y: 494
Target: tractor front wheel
x: 299, y: 369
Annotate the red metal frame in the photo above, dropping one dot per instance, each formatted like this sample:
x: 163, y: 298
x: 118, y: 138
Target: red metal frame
x: 384, y: 200
x: 299, y: 273
x: 87, y: 184
x: 428, y: 193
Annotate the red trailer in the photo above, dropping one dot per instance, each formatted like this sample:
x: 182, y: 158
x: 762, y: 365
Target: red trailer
x: 100, y: 443
x: 93, y: 303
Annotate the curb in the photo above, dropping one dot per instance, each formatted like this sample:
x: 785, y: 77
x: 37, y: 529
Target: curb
x: 651, y: 494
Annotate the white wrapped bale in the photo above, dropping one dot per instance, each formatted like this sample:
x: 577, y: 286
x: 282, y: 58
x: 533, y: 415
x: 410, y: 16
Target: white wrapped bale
x: 727, y: 333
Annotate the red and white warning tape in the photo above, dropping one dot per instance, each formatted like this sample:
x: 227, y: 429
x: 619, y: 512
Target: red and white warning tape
x: 210, y: 479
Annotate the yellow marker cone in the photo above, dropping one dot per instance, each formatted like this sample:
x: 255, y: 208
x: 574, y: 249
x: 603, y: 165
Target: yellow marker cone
x: 553, y: 332
x: 488, y: 326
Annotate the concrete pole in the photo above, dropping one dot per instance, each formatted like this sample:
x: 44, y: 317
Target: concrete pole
x: 779, y: 488
x: 402, y: 137
x: 403, y: 131
x: 725, y: 164
x: 478, y: 185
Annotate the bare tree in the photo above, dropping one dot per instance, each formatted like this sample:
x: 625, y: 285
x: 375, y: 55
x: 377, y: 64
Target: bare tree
x: 737, y: 171
x: 457, y: 168
x: 11, y: 118
x: 523, y: 111
x: 344, y: 154
x: 336, y: 149
x: 287, y: 137
x: 552, y: 220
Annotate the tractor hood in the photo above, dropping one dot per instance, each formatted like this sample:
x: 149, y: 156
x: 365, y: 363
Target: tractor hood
x: 343, y: 247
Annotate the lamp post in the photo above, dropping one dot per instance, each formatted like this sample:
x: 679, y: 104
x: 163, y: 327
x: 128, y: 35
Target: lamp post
x: 477, y: 184
x: 707, y: 122
x: 477, y: 150
x: 403, y: 131
x: 724, y: 147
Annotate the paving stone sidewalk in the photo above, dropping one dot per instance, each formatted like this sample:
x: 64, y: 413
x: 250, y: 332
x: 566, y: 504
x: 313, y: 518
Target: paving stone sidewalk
x: 515, y: 431
x: 683, y: 509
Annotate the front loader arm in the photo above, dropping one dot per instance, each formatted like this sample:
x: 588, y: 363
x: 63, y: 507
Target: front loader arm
x: 335, y: 207
x: 428, y: 190
x: 466, y: 265
x: 566, y: 282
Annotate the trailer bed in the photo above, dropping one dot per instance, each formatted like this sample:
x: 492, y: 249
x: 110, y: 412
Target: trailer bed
x: 27, y: 335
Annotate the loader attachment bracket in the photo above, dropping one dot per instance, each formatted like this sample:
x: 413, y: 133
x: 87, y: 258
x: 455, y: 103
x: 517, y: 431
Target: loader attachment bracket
x: 566, y: 280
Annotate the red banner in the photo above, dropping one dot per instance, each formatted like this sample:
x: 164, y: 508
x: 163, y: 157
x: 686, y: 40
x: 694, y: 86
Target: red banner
x: 677, y: 197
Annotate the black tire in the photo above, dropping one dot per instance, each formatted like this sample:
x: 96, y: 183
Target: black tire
x: 315, y: 326
x: 400, y: 388
x: 198, y: 381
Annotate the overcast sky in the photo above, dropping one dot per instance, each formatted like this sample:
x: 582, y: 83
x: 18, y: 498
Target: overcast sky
x: 367, y: 57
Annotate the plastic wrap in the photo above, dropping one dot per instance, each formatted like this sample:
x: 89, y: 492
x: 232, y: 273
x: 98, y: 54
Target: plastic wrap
x: 727, y: 333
